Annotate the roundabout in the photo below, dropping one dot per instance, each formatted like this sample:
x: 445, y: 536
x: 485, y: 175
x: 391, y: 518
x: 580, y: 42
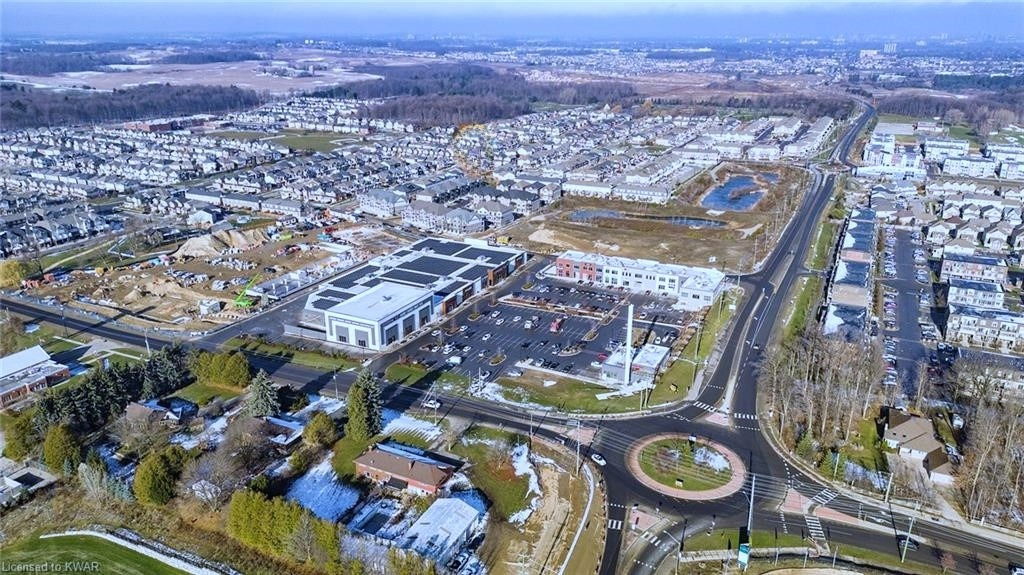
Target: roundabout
x: 686, y: 467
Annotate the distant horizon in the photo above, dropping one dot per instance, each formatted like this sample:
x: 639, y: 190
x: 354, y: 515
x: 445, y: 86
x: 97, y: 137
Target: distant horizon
x: 501, y: 19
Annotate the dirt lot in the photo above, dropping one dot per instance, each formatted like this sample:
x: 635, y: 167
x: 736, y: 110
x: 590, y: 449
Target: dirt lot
x: 541, y: 545
x: 152, y: 296
x: 641, y: 230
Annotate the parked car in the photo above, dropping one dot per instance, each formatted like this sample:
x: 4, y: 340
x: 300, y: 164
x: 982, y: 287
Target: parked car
x: 598, y: 459
x: 432, y: 404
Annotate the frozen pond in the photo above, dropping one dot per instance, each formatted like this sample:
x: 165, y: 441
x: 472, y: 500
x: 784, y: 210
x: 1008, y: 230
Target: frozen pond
x: 738, y: 193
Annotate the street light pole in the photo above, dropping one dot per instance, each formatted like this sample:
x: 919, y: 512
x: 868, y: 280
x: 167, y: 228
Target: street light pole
x: 906, y: 540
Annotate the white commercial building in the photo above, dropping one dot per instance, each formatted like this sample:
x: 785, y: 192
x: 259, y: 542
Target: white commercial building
x: 387, y: 298
x: 695, y: 288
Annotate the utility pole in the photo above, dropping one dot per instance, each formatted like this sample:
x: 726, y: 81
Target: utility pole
x: 145, y: 334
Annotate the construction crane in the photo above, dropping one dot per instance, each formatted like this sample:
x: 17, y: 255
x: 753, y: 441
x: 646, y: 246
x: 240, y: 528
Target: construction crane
x: 243, y: 300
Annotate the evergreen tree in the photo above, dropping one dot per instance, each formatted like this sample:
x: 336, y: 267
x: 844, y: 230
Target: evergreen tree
x: 222, y: 369
x: 157, y: 474
x: 805, y: 447
x: 263, y: 400
x: 20, y: 434
x: 364, y: 408
x: 320, y: 431
x: 61, y: 448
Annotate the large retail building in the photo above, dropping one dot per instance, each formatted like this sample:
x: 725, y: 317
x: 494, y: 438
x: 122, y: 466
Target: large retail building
x: 387, y: 298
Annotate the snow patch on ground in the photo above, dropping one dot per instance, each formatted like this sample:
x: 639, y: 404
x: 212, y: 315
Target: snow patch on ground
x: 521, y: 464
x: 328, y: 405
x: 320, y: 491
x: 541, y: 460
x: 405, y: 423
x: 855, y: 472
x: 212, y: 434
x: 495, y: 392
x: 710, y: 458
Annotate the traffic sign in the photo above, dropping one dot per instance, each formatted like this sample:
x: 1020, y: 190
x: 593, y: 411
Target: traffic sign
x: 744, y: 554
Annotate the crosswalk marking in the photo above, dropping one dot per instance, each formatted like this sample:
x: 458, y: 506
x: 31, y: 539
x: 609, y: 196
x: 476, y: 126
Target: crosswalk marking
x: 814, y: 527
x: 782, y: 519
x: 745, y: 415
x: 704, y: 406
x: 614, y: 524
x: 825, y: 496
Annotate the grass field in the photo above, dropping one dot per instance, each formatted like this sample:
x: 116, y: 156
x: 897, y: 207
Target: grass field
x: 818, y: 258
x: 201, y: 393
x: 680, y: 373
x: 111, y: 559
x: 292, y: 355
x: 405, y: 373
x: 315, y: 141
x: 491, y: 472
x: 669, y: 460
x: 806, y: 293
x: 50, y: 336
x: 730, y: 539
x: 866, y: 448
x: 347, y: 449
x: 239, y: 135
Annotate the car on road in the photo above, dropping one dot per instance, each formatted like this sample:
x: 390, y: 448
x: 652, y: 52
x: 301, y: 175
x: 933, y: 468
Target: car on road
x: 598, y: 459
x: 431, y: 404
x: 910, y: 543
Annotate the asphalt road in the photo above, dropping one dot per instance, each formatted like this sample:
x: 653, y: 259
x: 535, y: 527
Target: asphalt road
x: 757, y: 317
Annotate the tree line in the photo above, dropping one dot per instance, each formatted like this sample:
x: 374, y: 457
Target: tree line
x: 445, y: 94
x: 25, y: 107
x: 818, y: 390
x: 210, y: 56
x: 32, y: 63
x: 982, y: 113
x: 990, y: 485
x: 769, y: 104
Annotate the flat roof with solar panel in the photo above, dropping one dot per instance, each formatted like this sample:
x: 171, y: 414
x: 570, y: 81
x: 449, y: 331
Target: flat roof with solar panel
x: 433, y: 265
x: 439, y: 266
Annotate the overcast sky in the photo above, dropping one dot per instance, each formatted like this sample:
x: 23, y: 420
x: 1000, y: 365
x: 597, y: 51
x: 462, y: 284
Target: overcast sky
x: 621, y: 19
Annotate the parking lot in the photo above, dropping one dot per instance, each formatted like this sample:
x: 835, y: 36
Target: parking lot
x: 555, y: 327
x: 907, y: 307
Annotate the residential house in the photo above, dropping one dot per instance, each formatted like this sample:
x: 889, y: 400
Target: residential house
x: 913, y: 436
x: 402, y: 470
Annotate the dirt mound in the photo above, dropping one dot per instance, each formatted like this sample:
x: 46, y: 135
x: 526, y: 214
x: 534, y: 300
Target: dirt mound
x: 213, y: 245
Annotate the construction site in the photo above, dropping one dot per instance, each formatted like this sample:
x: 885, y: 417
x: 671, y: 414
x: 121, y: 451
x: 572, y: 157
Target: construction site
x: 214, y: 278
x: 729, y: 217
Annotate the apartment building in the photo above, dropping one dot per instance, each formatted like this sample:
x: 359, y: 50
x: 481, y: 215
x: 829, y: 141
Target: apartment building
x: 974, y: 268
x: 986, y: 295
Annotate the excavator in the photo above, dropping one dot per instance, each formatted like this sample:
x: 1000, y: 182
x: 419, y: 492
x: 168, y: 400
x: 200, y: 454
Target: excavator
x: 244, y: 301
